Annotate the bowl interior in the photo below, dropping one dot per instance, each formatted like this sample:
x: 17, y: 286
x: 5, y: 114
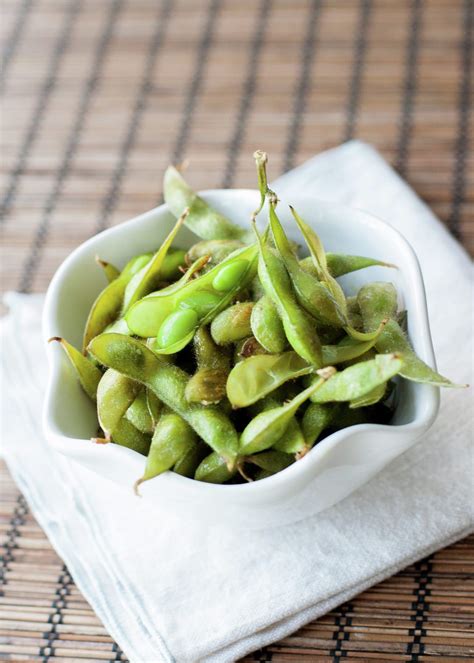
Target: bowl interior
x: 73, y: 289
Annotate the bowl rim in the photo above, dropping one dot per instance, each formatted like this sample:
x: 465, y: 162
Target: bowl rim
x: 306, y: 465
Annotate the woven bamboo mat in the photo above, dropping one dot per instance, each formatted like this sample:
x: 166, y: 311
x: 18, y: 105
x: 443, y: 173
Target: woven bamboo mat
x: 100, y: 95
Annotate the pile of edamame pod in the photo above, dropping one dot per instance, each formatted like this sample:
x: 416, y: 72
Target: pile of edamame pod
x: 229, y: 361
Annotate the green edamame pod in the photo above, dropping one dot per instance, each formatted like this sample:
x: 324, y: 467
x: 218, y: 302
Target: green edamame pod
x: 207, y: 353
x: 146, y: 316
x: 213, y: 469
x: 89, y: 375
x: 172, y: 440
x: 106, y: 308
x: 267, y: 326
x: 173, y: 264
x: 271, y: 461
x: 316, y: 418
x: 371, y: 397
x: 154, y: 405
x: 143, y: 282
x: 257, y: 376
x: 321, y: 302
x: 126, y: 435
x: 377, y: 300
x: 359, y: 379
x: 139, y: 415
x: 232, y: 324
x: 216, y: 249
x: 208, y: 384
x: 168, y: 383
x: 318, y: 254
x: 202, y: 220
x: 413, y: 368
x: 187, y: 465
x: 269, y: 426
x: 192, y: 271
x: 313, y: 296
x: 299, y: 327
x: 292, y: 440
x: 340, y: 264
x: 111, y: 272
x: 353, y: 314
x: 115, y: 394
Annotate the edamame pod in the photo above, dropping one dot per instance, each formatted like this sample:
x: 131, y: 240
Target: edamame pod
x: 89, y: 375
x: 316, y: 418
x: 111, y: 272
x: 202, y: 220
x: 320, y: 261
x: 292, y: 440
x: 208, y: 384
x: 216, y: 249
x: 187, y: 465
x: 213, y: 469
x: 147, y: 315
x: 173, y: 265
x: 271, y: 461
x: 377, y: 300
x: 257, y: 376
x: 168, y: 383
x: 172, y: 440
x: 126, y: 435
x: 154, y: 405
x: 144, y: 281
x: 359, y: 379
x: 115, y: 394
x: 232, y: 324
x: 354, y: 315
x: 371, y: 397
x: 312, y: 295
x: 267, y: 326
x: 340, y: 264
x: 269, y: 426
x: 139, y: 415
x: 299, y: 327
x: 106, y: 308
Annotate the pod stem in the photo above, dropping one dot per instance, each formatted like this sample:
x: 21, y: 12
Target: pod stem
x: 136, y: 485
x: 101, y: 440
x: 261, y: 160
x: 241, y: 471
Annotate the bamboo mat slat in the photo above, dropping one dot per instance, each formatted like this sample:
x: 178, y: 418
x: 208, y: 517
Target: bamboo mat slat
x: 98, y: 97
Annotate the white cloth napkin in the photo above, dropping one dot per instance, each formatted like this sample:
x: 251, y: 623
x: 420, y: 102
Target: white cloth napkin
x: 174, y: 594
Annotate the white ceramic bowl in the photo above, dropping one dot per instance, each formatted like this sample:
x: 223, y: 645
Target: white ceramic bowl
x: 335, y: 467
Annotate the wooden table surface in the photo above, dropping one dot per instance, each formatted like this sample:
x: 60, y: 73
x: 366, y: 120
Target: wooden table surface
x: 100, y: 95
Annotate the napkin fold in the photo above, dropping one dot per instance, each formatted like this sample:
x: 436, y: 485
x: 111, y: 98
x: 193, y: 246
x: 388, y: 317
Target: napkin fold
x: 182, y: 595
